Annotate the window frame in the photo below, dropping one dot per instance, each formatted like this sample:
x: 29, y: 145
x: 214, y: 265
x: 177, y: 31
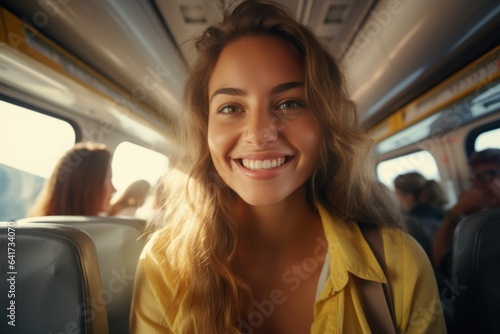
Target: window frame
x: 470, y: 139
x: 29, y: 106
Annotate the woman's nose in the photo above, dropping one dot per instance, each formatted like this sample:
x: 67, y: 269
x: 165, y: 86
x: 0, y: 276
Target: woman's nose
x: 261, y: 128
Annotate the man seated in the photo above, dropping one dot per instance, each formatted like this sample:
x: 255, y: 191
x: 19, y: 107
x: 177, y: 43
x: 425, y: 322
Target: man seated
x: 483, y: 193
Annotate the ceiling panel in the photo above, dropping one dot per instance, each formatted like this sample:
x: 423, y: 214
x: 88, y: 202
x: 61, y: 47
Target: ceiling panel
x: 393, y: 50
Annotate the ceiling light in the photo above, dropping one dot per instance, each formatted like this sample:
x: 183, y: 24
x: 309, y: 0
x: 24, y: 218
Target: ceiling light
x: 336, y: 14
x: 193, y: 13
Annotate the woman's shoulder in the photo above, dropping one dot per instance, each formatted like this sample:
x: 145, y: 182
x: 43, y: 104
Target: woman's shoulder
x: 427, y: 211
x: 154, y: 289
x: 155, y: 265
x: 400, y: 244
x: 407, y: 263
x: 154, y: 252
x: 412, y: 284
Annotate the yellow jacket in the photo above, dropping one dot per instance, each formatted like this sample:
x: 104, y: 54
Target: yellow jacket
x: 338, y: 308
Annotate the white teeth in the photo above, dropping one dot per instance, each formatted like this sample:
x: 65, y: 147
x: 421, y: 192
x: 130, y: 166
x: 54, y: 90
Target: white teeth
x: 263, y: 164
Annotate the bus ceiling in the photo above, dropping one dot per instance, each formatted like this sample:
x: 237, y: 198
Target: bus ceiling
x: 394, y: 50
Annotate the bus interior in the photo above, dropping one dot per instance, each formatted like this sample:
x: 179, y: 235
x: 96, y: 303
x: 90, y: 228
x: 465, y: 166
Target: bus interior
x: 424, y: 74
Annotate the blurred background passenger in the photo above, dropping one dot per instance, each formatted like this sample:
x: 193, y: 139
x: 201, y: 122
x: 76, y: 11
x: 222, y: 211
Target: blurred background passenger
x: 165, y: 202
x: 422, y: 201
x: 79, y: 185
x: 133, y: 197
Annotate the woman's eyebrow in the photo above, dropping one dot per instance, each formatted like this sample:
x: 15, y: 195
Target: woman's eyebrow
x: 286, y: 86
x: 228, y: 91
x: 240, y: 92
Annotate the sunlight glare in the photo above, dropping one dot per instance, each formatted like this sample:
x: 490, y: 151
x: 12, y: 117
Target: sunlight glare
x: 132, y: 162
x: 31, y: 141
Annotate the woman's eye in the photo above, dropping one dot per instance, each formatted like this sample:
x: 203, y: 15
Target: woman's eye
x: 229, y: 109
x: 290, y: 104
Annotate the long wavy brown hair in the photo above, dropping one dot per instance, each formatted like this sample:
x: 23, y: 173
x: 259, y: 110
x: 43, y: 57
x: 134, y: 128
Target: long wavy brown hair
x: 201, y: 237
x: 76, y: 184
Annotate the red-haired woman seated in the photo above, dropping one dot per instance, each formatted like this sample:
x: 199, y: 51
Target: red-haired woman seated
x: 79, y: 185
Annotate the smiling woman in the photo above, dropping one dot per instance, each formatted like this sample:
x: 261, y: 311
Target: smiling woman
x: 279, y: 200
x: 258, y: 117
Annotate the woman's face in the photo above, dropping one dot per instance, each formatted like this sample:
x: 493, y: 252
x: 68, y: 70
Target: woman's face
x: 108, y: 190
x: 262, y: 137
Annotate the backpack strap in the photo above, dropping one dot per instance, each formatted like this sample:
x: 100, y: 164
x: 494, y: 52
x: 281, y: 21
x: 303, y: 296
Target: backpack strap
x: 377, y: 301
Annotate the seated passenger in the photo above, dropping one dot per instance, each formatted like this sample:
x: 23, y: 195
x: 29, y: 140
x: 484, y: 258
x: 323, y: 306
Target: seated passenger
x: 483, y: 193
x: 127, y: 203
x: 79, y: 185
x: 422, y: 201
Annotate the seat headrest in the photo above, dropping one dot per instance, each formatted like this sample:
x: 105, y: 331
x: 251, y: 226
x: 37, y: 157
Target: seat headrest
x: 476, y: 273
x: 53, y: 278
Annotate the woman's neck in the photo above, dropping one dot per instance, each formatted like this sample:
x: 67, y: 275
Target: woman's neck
x: 274, y: 239
x: 277, y: 225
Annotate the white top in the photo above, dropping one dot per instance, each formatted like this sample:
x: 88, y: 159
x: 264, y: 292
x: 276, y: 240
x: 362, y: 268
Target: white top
x: 325, y: 273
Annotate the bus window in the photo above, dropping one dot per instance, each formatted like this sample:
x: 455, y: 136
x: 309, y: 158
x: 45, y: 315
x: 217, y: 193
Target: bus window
x: 31, y: 143
x: 132, y: 162
x: 421, y: 161
x: 487, y: 139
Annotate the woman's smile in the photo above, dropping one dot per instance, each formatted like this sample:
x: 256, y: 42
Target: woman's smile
x: 263, y: 164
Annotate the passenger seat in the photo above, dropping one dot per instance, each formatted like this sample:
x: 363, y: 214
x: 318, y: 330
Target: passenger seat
x: 50, y: 280
x: 476, y: 273
x: 119, y: 242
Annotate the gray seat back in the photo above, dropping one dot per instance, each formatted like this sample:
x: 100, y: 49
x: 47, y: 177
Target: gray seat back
x: 119, y: 242
x: 476, y: 273
x: 50, y: 280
